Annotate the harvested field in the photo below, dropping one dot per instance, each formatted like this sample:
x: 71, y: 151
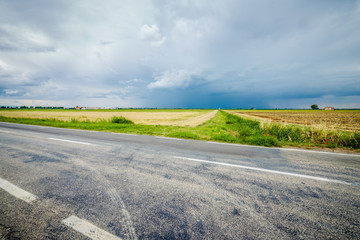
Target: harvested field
x: 348, y: 120
x: 190, y: 118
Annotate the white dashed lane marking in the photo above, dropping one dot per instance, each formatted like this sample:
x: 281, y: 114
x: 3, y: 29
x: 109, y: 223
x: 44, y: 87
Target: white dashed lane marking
x: 16, y: 191
x: 82, y: 226
x: 88, y: 229
x: 125, y: 134
x: 168, y: 138
x: 2, y: 131
x: 70, y: 141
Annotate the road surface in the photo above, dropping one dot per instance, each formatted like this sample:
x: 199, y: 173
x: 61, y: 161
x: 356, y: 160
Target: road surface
x: 73, y: 184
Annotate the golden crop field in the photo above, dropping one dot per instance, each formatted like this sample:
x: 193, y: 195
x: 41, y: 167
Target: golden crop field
x: 190, y: 118
x: 348, y: 120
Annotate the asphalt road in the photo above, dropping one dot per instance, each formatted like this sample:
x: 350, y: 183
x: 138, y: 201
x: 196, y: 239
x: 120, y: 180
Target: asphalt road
x: 72, y: 184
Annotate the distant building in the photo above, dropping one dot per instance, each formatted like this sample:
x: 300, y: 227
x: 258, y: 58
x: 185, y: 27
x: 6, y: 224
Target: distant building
x: 329, y: 108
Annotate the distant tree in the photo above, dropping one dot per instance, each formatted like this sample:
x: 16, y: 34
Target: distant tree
x: 314, y: 107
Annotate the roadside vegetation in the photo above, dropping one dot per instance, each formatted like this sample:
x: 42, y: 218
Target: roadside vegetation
x: 223, y: 127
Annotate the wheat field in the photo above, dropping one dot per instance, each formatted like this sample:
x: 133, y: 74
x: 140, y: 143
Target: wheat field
x: 348, y: 120
x: 190, y: 118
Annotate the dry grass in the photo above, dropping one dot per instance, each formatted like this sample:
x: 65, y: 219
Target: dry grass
x: 174, y: 118
x: 348, y: 120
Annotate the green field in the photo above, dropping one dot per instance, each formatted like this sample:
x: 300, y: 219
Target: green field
x: 223, y: 127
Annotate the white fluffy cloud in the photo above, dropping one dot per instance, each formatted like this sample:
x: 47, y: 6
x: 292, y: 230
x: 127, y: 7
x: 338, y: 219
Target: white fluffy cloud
x: 152, y: 35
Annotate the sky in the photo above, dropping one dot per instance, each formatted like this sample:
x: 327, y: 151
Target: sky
x: 180, y: 54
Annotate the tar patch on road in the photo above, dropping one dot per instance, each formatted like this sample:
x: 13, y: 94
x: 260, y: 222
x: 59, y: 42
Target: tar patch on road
x: 6, y: 233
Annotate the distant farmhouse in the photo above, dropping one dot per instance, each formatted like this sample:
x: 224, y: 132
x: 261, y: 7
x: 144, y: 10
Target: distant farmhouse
x: 79, y: 108
x: 329, y: 108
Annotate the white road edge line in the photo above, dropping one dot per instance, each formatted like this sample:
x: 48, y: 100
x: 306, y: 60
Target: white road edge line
x: 312, y: 151
x: 265, y: 170
x: 16, y: 191
x: 2, y: 131
x: 88, y: 229
x: 70, y: 141
x: 285, y: 149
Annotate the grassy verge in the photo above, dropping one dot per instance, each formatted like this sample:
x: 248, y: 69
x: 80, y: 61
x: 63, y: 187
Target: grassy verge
x: 224, y: 127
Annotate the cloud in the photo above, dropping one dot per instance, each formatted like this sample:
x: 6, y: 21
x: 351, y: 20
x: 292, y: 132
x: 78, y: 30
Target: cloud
x: 22, y: 38
x: 190, y: 28
x: 174, y: 79
x: 11, y: 91
x: 152, y: 35
x: 31, y: 102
